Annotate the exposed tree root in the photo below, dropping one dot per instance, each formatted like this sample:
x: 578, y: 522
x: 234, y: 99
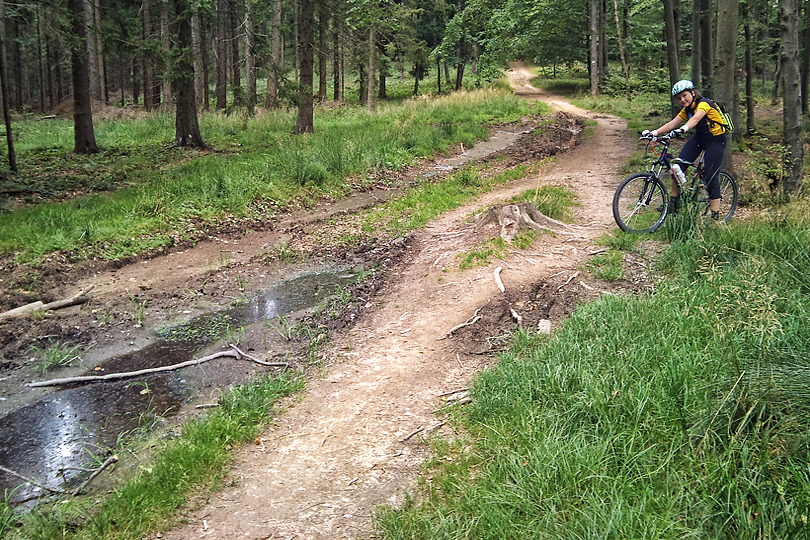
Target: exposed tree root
x: 512, y: 217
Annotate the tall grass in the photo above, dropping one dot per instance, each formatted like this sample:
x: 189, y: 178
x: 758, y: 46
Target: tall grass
x: 195, y: 460
x: 683, y: 414
x: 257, y: 165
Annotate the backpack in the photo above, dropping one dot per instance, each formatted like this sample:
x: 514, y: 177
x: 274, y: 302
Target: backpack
x: 728, y: 122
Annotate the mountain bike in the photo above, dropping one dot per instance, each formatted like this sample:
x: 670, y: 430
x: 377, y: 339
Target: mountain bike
x: 641, y: 202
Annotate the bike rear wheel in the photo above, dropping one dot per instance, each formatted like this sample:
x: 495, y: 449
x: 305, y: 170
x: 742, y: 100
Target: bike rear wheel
x: 640, y: 203
x: 729, y: 197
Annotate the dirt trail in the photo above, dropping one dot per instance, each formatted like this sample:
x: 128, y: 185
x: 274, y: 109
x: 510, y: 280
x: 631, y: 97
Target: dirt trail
x: 333, y: 457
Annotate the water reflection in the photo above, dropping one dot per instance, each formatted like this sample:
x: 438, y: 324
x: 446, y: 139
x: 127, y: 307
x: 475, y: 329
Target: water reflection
x: 53, y: 439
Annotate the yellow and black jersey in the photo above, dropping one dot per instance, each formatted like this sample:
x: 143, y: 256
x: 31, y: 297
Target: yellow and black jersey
x: 711, y: 124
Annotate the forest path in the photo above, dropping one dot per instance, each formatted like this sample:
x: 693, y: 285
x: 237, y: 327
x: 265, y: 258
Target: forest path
x: 340, y: 451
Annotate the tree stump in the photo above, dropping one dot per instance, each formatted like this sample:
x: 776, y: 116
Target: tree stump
x: 512, y: 217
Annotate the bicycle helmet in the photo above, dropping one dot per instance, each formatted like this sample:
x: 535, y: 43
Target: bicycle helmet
x: 682, y: 85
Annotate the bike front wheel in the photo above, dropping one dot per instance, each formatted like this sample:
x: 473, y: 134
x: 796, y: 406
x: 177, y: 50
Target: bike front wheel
x: 729, y: 197
x: 640, y: 203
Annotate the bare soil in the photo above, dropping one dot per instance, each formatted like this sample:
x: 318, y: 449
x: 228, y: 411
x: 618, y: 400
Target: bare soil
x: 348, y: 442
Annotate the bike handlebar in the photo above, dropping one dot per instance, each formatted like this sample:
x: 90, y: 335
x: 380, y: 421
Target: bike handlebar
x: 650, y: 137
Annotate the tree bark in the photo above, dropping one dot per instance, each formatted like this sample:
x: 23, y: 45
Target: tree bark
x: 671, y: 38
x: 337, y: 72
x: 146, y: 58
x: 101, y: 69
x: 792, y: 100
x: 594, y: 59
x: 187, y: 128
x: 221, y: 60
x: 805, y: 85
x: 305, y: 121
x: 706, y: 46
x: 750, y: 121
x: 236, y: 63
x: 84, y: 137
x: 725, y: 62
x: 274, y: 70
x: 12, y: 155
x: 372, y: 67
x: 323, y: 53
x: 620, y: 39
x: 250, y: 55
x: 165, y: 40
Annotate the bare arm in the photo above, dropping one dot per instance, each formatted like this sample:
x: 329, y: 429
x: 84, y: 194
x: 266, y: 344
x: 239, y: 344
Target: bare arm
x: 675, y: 122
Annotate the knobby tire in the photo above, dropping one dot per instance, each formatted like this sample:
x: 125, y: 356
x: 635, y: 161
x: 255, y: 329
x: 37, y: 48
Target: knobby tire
x: 640, y: 203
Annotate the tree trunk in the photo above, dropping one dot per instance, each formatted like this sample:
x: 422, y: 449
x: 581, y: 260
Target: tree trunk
x: 336, y: 61
x: 236, y: 63
x: 83, y: 133
x: 670, y: 33
x: 206, y: 66
x: 696, y: 48
x: 620, y: 39
x: 146, y: 58
x: 221, y: 60
x: 12, y: 155
x: 197, y: 46
x: 725, y: 61
x: 187, y: 128
x: 92, y: 51
x: 750, y: 122
x: 323, y: 22
x: 372, y: 68
x: 166, y: 43
x: 101, y: 69
x: 594, y: 60
x: 40, y: 60
x: 305, y: 123
x: 805, y: 86
x: 250, y: 56
x: 274, y: 70
x: 706, y: 47
x: 792, y: 100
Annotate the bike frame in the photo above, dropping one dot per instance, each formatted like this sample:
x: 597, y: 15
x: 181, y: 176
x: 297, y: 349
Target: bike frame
x: 659, y: 146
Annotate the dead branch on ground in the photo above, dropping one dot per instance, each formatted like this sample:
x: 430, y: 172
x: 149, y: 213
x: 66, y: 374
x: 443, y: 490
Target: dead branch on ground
x: 29, y: 481
x: 498, y: 279
x: 80, y: 298
x: 110, y: 460
x: 472, y: 320
x: 235, y: 352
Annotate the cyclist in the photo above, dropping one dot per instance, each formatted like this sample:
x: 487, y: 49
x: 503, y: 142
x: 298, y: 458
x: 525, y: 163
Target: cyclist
x: 700, y: 114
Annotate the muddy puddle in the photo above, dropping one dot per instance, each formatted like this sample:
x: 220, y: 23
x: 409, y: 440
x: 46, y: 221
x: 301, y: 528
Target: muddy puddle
x: 58, y: 438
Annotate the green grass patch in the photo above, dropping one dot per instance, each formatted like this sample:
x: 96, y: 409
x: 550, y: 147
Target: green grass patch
x: 607, y: 266
x: 483, y: 255
x: 555, y: 202
x: 118, y: 203
x: 679, y: 414
x: 196, y: 460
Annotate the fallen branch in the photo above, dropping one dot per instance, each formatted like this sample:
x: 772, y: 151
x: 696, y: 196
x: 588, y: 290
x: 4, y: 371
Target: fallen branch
x: 29, y: 481
x: 254, y: 359
x: 234, y: 353
x: 498, y: 279
x: 80, y: 298
x: 451, y: 392
x: 575, y: 274
x: 472, y: 320
x: 412, y: 433
x: 110, y: 460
